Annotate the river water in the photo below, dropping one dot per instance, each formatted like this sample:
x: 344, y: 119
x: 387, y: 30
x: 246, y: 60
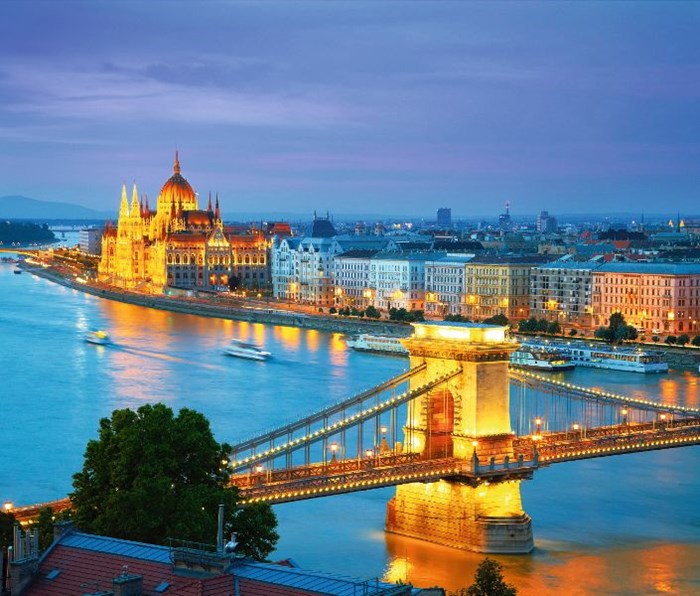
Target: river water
x: 620, y: 525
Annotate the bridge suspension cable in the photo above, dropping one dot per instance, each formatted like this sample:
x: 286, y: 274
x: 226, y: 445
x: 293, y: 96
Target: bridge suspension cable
x: 351, y: 413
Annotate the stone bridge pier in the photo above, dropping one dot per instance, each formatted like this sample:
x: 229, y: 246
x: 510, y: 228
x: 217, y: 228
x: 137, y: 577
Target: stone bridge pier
x: 467, y: 417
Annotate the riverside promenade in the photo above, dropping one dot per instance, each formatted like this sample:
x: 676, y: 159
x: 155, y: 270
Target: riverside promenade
x: 224, y: 307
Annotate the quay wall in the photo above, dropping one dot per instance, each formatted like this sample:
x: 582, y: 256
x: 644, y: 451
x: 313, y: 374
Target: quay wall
x: 206, y: 308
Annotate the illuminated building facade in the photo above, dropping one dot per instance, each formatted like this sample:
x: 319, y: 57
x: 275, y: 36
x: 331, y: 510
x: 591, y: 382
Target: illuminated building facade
x: 658, y: 298
x: 499, y: 285
x: 179, y: 244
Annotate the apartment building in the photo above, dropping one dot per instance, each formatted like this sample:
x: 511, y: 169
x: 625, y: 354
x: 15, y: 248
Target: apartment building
x: 445, y: 284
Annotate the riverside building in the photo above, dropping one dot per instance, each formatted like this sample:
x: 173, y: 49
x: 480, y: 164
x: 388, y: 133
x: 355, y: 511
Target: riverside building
x: 179, y: 245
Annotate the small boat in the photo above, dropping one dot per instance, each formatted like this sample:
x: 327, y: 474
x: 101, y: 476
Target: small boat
x: 242, y: 349
x: 536, y: 358
x: 17, y: 271
x: 99, y: 337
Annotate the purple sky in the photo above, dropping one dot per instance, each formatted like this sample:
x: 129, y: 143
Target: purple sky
x: 356, y: 107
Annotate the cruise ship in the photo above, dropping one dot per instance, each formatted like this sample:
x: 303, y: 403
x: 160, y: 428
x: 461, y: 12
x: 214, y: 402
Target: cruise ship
x: 242, y: 349
x: 622, y: 358
x: 378, y: 344
x: 539, y: 358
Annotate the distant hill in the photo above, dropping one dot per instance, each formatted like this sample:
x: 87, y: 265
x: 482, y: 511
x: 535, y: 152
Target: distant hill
x: 19, y: 207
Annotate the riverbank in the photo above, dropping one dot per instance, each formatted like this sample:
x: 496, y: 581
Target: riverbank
x: 271, y: 313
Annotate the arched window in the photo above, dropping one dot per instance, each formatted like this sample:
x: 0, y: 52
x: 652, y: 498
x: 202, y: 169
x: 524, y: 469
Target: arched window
x: 177, y: 259
x: 247, y: 259
x: 170, y: 259
x: 255, y: 259
x: 185, y: 259
x: 193, y: 258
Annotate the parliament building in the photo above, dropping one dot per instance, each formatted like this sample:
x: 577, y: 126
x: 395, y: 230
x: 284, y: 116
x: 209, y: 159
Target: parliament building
x: 179, y: 245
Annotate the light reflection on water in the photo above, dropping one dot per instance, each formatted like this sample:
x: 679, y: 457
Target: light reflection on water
x: 623, y: 525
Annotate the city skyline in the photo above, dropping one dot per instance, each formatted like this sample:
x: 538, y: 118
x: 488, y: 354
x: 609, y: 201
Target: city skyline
x: 356, y: 107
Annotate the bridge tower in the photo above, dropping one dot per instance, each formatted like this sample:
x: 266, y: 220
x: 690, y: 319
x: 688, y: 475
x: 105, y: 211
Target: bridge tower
x: 467, y: 418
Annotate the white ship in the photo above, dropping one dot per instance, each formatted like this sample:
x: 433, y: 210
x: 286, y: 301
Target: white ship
x: 538, y: 358
x: 378, y: 344
x: 241, y: 349
x: 622, y: 358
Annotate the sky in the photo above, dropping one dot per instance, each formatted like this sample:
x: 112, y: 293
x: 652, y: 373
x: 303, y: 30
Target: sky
x: 356, y: 107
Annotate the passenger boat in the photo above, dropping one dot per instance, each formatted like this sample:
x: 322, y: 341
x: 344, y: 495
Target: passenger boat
x: 378, y: 344
x: 99, y: 337
x: 538, y: 358
x: 620, y: 358
x: 243, y: 349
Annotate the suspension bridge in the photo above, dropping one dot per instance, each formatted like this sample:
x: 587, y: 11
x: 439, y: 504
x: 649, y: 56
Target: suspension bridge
x: 455, y: 434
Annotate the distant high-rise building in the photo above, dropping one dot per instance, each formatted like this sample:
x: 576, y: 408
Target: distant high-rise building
x: 444, y: 217
x: 546, y: 224
x: 504, y: 222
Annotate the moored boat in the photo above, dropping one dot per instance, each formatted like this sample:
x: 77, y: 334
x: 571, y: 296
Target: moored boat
x: 98, y: 337
x: 378, y: 344
x: 242, y: 349
x: 621, y: 358
x: 535, y: 358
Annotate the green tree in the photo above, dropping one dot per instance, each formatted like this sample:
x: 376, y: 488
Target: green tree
x: 255, y: 527
x: 488, y: 581
x: 7, y: 523
x: 696, y: 341
x: 554, y: 328
x: 541, y: 326
x: 671, y: 339
x: 372, y: 312
x: 499, y: 319
x: 573, y: 332
x: 152, y: 475
x: 682, y: 339
x: 45, y: 527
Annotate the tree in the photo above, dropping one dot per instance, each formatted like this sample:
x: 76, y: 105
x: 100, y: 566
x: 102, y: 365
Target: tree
x: 682, y: 339
x: 45, y: 527
x: 152, y: 475
x: 554, y: 328
x: 488, y: 581
x: 372, y: 312
x: 499, y: 319
x: 671, y: 339
x: 255, y: 526
x: 7, y: 524
x: 573, y: 332
x: 617, y: 330
x: 696, y: 341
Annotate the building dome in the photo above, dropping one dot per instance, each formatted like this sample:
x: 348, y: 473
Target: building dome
x: 176, y: 191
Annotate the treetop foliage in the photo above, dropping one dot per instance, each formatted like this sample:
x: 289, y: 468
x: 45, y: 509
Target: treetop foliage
x: 152, y: 475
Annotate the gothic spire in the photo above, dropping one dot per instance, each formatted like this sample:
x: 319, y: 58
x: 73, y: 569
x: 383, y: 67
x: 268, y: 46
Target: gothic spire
x: 124, y: 206
x: 176, y: 167
x: 209, y: 206
x: 217, y: 214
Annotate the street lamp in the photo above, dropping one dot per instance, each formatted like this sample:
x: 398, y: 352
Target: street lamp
x: 538, y: 428
x: 384, y: 445
x: 624, y: 417
x: 334, y: 449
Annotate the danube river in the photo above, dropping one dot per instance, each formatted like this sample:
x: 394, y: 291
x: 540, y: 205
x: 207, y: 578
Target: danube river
x: 621, y: 525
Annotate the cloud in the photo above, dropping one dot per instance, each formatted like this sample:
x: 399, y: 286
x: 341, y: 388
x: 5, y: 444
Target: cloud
x: 112, y: 93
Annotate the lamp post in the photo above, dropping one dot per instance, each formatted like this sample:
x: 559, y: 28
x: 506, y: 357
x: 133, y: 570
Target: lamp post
x: 384, y: 445
x: 624, y: 417
x: 334, y: 448
x: 538, y: 429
